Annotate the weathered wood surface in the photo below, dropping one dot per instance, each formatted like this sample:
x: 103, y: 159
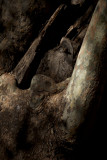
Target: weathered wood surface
x: 20, y: 23
x: 88, y: 75
x: 58, y: 62
x: 29, y: 119
x: 25, y: 62
x: 34, y: 123
x: 77, y: 31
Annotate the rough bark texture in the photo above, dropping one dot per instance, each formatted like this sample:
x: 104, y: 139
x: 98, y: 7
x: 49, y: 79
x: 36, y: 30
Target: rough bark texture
x: 58, y: 62
x: 29, y: 56
x: 20, y: 22
x: 45, y: 121
x: 29, y: 119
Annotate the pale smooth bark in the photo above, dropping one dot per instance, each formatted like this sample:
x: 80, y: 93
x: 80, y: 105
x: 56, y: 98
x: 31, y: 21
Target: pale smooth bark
x: 83, y: 91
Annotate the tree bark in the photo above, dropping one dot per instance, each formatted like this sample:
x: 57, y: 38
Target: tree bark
x: 82, y: 93
x: 43, y: 122
x: 20, y: 23
x: 29, y: 56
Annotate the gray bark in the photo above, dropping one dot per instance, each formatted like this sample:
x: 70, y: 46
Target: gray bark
x: 88, y: 75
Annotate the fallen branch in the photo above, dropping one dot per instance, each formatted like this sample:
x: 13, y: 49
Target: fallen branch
x: 29, y: 56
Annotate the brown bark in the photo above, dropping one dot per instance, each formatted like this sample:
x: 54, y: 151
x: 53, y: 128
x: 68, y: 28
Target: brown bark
x: 30, y: 120
x: 29, y: 56
x: 20, y: 23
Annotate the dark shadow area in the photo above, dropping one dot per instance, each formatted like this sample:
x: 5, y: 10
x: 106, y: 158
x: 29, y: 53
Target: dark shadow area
x: 21, y: 139
x: 93, y: 145
x: 53, y: 37
x: 9, y: 154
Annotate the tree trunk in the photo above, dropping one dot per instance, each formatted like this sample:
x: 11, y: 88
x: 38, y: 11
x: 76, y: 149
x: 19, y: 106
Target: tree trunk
x: 83, y: 92
x: 46, y: 121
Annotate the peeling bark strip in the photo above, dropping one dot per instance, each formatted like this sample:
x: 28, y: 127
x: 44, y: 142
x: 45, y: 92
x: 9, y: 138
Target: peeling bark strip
x: 25, y: 62
x: 88, y: 71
